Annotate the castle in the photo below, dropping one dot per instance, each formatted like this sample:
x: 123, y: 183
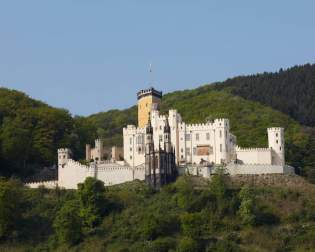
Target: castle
x: 163, y: 146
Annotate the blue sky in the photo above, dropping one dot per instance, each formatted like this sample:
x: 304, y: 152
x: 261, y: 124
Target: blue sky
x: 93, y: 55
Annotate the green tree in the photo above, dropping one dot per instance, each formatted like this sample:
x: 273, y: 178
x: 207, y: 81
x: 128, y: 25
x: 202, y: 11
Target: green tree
x: 247, y: 207
x: 68, y: 224
x: 92, y: 200
x: 187, y: 244
x: 219, y: 189
x: 10, y: 206
x: 192, y: 224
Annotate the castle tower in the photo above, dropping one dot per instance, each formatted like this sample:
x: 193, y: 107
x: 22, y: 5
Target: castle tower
x: 276, y: 142
x: 149, y: 145
x: 167, y: 137
x: 88, y: 152
x: 63, y: 156
x: 148, y: 100
x: 221, y: 141
x: 98, y: 149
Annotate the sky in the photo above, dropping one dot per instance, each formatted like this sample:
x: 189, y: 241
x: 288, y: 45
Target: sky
x: 89, y: 56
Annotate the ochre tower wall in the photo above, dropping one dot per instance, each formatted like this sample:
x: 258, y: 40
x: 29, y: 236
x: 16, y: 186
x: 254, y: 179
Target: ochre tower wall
x: 145, y: 105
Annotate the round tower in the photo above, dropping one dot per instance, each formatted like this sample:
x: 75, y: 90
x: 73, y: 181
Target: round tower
x: 148, y: 100
x: 276, y: 143
x: 63, y: 156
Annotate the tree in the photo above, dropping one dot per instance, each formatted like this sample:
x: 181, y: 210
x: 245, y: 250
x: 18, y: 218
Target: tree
x: 68, y: 224
x: 92, y: 201
x: 10, y: 206
x: 247, y: 207
x: 219, y: 189
x: 187, y: 244
x: 192, y: 224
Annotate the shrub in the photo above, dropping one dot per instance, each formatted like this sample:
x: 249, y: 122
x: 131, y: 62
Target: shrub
x: 67, y: 224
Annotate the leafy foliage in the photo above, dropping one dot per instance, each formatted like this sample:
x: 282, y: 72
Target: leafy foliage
x: 92, y: 201
x: 138, y: 219
x: 68, y: 224
x: 10, y: 207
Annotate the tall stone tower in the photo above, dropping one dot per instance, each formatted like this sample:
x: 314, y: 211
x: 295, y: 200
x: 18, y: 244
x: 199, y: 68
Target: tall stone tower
x: 63, y: 156
x: 276, y: 142
x: 148, y: 100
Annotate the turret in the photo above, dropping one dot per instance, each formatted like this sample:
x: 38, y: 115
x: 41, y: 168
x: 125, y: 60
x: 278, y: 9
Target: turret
x: 276, y: 143
x: 88, y: 152
x: 149, y: 145
x: 221, y: 140
x: 148, y: 100
x: 63, y: 156
x: 98, y: 149
x: 167, y: 137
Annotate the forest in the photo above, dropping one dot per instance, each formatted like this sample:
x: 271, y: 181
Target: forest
x: 189, y: 215
x: 32, y: 131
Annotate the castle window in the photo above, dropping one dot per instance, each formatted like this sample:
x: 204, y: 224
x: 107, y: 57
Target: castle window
x: 161, y: 138
x: 64, y: 156
x: 208, y: 136
x: 187, y: 137
x: 280, y: 147
x: 276, y: 134
x: 194, y: 150
x: 197, y: 137
x: 130, y: 157
x: 160, y: 127
x: 220, y: 133
x: 220, y: 147
x: 181, y: 150
x: 130, y: 140
x: 130, y: 149
x: 277, y: 141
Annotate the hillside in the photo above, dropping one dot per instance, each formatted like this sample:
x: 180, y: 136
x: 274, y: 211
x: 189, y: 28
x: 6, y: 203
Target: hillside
x: 291, y: 91
x: 189, y: 215
x: 31, y: 131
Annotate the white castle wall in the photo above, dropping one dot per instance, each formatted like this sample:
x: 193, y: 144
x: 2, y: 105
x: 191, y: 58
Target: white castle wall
x: 236, y: 169
x: 73, y: 173
x: 254, y: 155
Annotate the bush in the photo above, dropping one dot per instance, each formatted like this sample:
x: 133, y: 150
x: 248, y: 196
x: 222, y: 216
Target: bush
x: 187, y: 244
x: 10, y: 206
x: 68, y: 225
x: 92, y: 200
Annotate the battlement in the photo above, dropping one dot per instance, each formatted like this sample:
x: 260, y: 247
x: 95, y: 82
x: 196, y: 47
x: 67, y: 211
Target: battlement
x: 199, y: 126
x: 64, y: 150
x: 78, y: 164
x: 275, y: 129
x: 237, y: 148
x: 151, y: 91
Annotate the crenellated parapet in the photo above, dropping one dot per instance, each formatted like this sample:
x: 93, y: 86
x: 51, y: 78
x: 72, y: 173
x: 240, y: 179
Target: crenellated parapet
x: 237, y: 148
x: 148, y: 92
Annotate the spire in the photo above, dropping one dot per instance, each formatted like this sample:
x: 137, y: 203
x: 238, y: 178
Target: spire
x: 149, y: 129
